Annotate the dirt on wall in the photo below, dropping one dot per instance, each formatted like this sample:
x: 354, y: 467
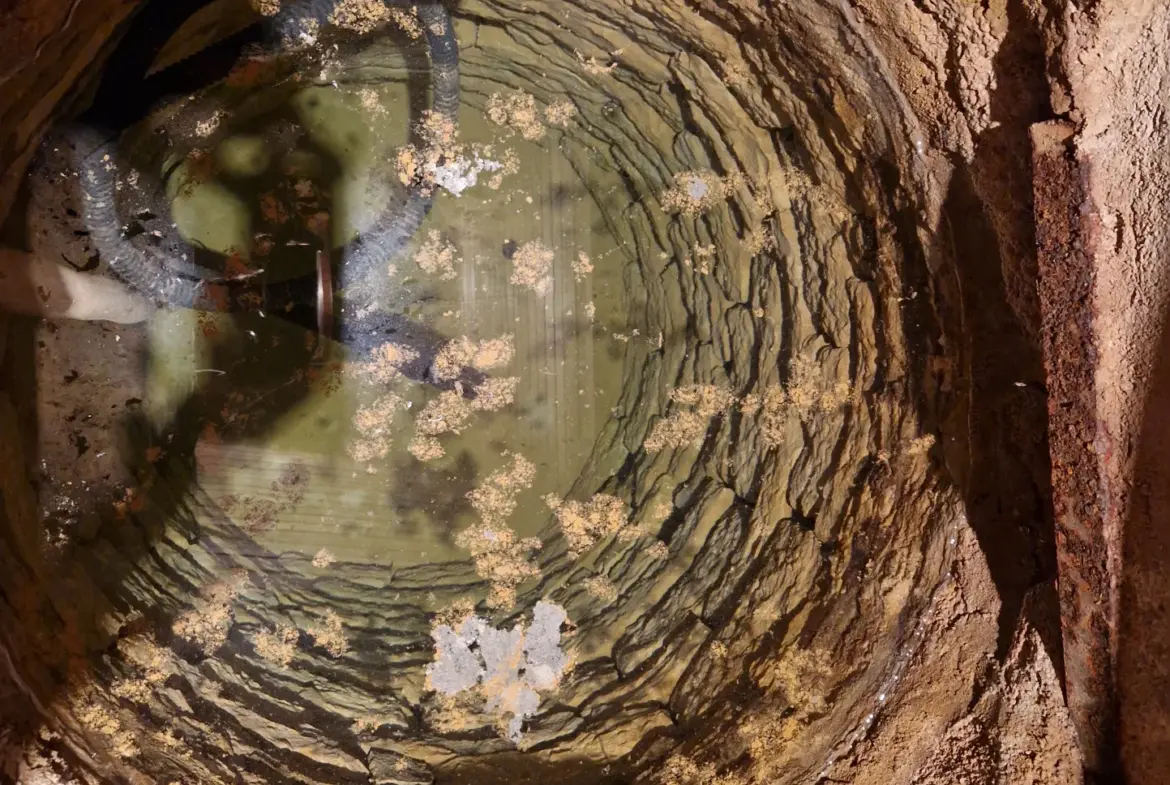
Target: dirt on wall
x: 1044, y: 388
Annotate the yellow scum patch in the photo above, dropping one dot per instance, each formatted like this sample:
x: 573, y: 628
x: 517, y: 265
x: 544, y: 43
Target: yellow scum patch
x: 463, y: 353
x: 697, y: 191
x: 532, y: 267
x: 330, y: 634
x: 805, y: 394
x: 438, y: 257
x: 686, y: 426
x: 517, y: 111
x: 450, y: 412
x: 495, y: 498
x: 501, y: 558
x: 207, y: 624
x: 366, y: 16
x: 277, y: 647
x: 584, y: 523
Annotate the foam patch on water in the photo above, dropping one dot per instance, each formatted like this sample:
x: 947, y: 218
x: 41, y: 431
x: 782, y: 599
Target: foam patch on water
x: 514, y: 666
x: 462, y: 173
x: 697, y: 189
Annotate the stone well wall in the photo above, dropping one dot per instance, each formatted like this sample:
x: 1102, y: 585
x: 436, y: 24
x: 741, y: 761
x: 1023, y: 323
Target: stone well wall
x: 860, y: 590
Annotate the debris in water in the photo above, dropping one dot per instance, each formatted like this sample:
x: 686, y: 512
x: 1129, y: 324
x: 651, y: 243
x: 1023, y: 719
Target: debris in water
x: 495, y: 499
x: 532, y: 267
x: 459, y: 174
x: 385, y: 363
x: 560, y: 113
x: 373, y: 424
x: 686, y: 426
x: 366, y: 16
x: 266, y: 7
x: 695, y: 192
x: 501, y: 558
x: 602, y: 588
x: 511, y: 668
x: 582, y: 267
x: 331, y: 635
x: 584, y: 523
x: 463, y: 353
x: 438, y: 257
x: 517, y: 111
x: 206, y: 625
x: 277, y: 647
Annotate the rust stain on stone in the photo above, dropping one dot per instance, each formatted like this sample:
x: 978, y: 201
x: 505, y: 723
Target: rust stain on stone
x: 1083, y: 539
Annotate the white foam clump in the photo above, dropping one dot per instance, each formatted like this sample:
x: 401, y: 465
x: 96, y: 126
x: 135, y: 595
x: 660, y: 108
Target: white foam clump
x: 697, y: 189
x: 459, y: 174
x: 478, y: 652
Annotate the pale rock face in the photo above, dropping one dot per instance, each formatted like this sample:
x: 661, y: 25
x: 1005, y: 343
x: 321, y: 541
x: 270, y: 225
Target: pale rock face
x: 36, y: 287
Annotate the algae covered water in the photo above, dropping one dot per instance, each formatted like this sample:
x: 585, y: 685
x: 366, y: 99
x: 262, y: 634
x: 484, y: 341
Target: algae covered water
x: 514, y: 268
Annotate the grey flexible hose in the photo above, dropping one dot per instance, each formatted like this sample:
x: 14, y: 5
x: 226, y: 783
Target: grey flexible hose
x: 365, y: 258
x: 97, y: 167
x: 97, y: 171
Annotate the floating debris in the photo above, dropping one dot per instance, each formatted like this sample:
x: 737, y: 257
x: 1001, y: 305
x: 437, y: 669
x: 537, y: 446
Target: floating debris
x: 517, y: 112
x: 501, y: 558
x: 495, y: 499
x: 261, y: 513
x: 687, y: 425
x: 601, y: 588
x: 277, y: 647
x: 206, y: 625
x: 438, y: 257
x: 463, y: 353
x: 374, y: 424
x: 385, y: 364
x: 560, y: 113
x: 584, y: 523
x: 696, y: 192
x: 366, y: 16
x: 532, y: 267
x: 582, y: 267
x: 266, y: 7
x: 509, y: 668
x: 330, y: 635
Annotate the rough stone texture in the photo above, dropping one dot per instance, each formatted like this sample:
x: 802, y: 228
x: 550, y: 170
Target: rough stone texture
x: 49, y: 50
x: 1071, y: 353
x: 843, y: 607
x: 1113, y: 56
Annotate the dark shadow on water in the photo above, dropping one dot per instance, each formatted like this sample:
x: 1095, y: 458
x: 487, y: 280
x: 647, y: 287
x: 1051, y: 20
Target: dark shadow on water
x: 425, y: 495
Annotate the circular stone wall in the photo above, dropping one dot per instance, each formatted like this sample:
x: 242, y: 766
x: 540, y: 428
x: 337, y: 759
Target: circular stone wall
x: 815, y: 484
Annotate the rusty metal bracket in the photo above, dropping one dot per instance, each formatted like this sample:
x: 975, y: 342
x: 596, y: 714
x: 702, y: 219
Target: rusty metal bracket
x: 325, y: 321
